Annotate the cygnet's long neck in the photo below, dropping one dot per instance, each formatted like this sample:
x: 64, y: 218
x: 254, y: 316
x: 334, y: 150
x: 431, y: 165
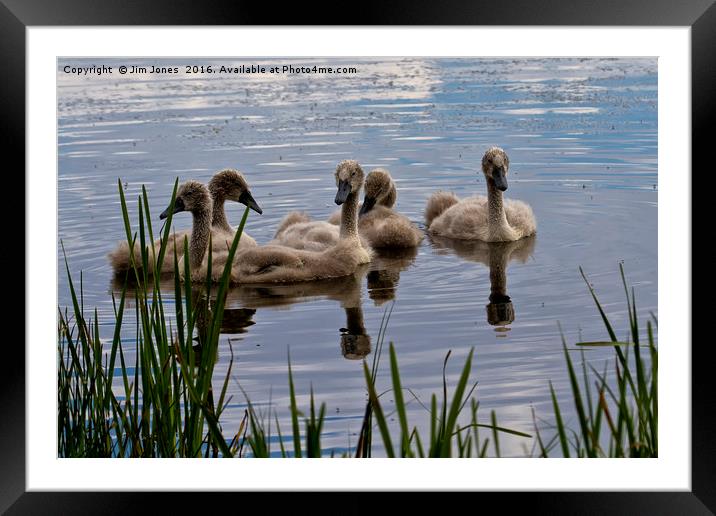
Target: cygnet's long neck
x: 218, y: 215
x: 349, y: 216
x: 496, y: 218
x: 388, y: 200
x: 200, y: 232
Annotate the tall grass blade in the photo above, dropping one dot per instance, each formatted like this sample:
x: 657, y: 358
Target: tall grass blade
x: 379, y: 416
x: 399, y: 403
x: 294, y: 413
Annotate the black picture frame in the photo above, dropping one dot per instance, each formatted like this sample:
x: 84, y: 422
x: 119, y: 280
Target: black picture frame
x: 700, y: 15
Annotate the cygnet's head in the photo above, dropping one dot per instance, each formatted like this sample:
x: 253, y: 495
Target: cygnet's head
x: 191, y: 196
x: 349, y: 179
x: 495, y: 165
x: 378, y: 189
x: 230, y: 184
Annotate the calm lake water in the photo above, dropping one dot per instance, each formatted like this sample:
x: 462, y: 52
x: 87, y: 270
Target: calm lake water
x: 581, y: 135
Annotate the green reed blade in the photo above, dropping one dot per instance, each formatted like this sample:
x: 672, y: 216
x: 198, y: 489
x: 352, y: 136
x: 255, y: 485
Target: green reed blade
x: 612, y: 335
x: 602, y: 343
x: 178, y: 302
x: 456, y: 404
x: 294, y: 412
x: 442, y: 430
x: 418, y: 443
x: 167, y: 228
x: 492, y: 427
x: 494, y: 433
x: 399, y: 402
x: 379, y: 416
x: 560, y: 423
x: 145, y: 203
x: 538, y: 436
x: 125, y: 214
x: 578, y: 403
x: 280, y: 437
x: 483, y: 450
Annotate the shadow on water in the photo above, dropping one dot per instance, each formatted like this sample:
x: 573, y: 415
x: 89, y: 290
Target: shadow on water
x: 243, y: 301
x: 496, y: 256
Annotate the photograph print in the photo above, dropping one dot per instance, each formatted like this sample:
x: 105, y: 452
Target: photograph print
x: 357, y: 257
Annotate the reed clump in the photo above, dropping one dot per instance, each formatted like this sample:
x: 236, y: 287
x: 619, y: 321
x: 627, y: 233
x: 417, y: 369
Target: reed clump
x: 617, y: 414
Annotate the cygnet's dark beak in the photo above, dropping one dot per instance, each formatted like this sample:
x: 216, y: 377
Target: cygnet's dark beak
x: 498, y: 176
x: 247, y: 199
x: 368, y: 204
x: 178, y: 206
x: 344, y: 190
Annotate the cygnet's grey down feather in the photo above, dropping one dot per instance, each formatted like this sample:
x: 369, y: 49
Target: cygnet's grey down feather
x: 482, y: 218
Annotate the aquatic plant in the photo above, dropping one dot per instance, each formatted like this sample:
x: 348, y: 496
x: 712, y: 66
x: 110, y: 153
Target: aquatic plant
x: 625, y: 410
x: 167, y: 408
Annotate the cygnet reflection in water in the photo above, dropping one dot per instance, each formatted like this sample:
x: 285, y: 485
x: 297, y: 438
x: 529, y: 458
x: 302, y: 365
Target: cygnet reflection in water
x: 354, y: 340
x: 384, y: 274
x: 235, y: 320
x: 243, y: 301
x: 496, y: 256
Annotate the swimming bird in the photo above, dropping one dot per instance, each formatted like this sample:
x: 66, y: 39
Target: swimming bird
x: 378, y: 222
x: 489, y: 219
x: 227, y: 184
x: 276, y: 263
x: 193, y: 196
x: 298, y: 231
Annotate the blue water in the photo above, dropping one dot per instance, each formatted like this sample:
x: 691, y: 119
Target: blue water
x: 581, y: 135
